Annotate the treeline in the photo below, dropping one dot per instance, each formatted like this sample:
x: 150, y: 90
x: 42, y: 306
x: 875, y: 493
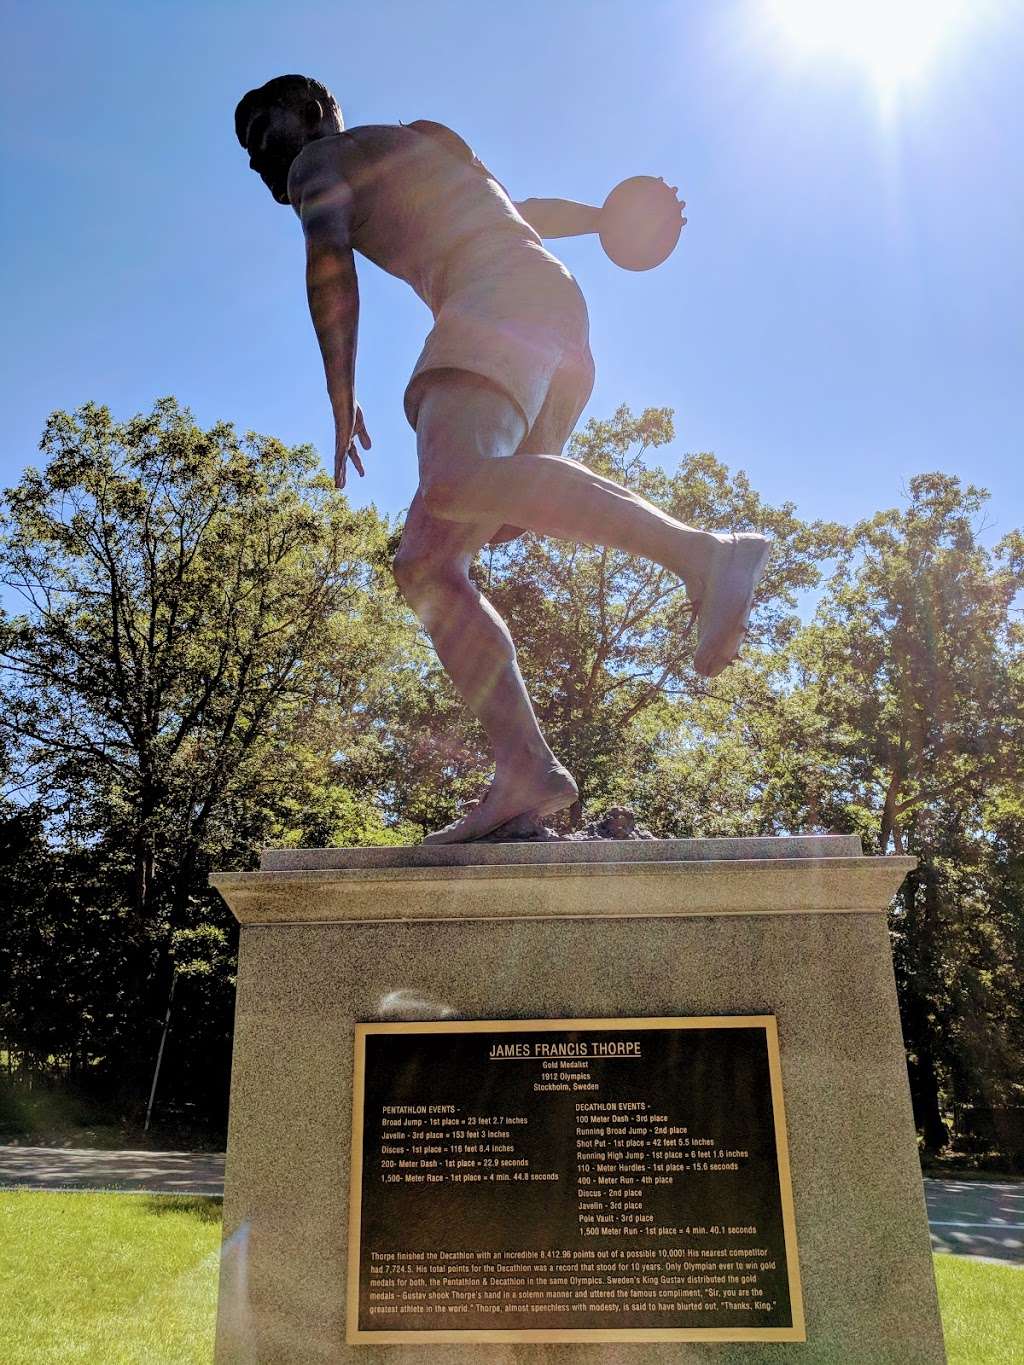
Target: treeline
x: 204, y: 653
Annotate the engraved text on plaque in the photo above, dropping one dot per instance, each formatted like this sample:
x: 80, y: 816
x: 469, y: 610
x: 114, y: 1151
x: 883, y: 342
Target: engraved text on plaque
x: 571, y: 1180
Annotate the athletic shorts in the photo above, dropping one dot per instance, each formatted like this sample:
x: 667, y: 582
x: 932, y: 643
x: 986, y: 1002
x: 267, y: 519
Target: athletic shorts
x: 513, y: 314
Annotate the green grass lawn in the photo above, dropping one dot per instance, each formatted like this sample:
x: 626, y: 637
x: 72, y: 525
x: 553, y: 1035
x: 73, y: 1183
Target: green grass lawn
x: 109, y: 1279
x: 982, y: 1311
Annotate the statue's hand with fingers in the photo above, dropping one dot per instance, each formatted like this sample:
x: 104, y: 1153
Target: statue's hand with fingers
x: 345, y: 437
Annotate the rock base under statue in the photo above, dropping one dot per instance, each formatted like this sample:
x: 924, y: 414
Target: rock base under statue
x: 617, y: 823
x: 612, y: 1101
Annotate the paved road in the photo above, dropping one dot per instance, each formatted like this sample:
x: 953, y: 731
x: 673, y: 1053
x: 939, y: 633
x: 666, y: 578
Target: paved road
x: 76, y: 1168
x: 967, y: 1217
x: 977, y: 1218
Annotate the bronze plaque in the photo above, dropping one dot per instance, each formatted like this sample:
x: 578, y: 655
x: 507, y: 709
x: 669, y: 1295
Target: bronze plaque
x: 571, y: 1180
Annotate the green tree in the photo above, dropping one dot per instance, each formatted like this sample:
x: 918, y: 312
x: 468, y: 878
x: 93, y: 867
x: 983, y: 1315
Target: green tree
x: 911, y: 671
x: 205, y: 626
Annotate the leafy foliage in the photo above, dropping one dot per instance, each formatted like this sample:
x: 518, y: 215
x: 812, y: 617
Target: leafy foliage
x: 205, y: 624
x: 212, y: 657
x: 914, y: 662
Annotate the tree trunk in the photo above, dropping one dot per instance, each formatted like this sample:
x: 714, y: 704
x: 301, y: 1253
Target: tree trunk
x: 160, y: 1051
x: 924, y: 1093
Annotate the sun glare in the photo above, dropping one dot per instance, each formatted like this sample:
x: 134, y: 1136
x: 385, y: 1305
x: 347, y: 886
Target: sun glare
x: 893, y: 41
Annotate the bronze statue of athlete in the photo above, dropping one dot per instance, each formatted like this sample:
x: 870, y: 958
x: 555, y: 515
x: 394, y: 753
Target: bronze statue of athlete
x: 502, y: 379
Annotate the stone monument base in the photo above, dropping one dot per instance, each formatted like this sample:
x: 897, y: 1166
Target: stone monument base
x: 789, y: 929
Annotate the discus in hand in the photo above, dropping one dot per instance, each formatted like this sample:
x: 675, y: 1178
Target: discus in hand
x: 640, y: 222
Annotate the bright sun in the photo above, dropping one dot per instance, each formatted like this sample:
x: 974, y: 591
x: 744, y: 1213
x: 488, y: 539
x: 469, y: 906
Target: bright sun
x: 892, y: 40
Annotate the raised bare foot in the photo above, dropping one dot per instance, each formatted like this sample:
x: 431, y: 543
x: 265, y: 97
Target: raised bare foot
x: 727, y: 597
x: 541, y: 792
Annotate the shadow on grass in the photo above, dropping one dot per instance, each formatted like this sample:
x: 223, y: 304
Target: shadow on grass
x: 203, y: 1208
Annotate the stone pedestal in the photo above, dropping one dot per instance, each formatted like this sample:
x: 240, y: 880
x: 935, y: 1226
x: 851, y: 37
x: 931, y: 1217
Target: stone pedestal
x: 793, y: 928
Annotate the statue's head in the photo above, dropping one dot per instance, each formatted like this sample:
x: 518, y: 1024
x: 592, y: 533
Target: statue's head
x: 274, y: 122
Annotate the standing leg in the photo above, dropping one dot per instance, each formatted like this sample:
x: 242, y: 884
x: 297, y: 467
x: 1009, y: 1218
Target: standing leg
x: 476, y: 650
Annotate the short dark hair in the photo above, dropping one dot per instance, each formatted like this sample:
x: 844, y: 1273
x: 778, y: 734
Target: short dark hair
x: 285, y: 91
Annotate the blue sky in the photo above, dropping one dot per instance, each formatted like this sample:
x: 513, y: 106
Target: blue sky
x: 843, y: 312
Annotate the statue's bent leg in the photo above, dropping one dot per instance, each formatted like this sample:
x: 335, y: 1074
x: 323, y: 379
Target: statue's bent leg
x: 466, y: 477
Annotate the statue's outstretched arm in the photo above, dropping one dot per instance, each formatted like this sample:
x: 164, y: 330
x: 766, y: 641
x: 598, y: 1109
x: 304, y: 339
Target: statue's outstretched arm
x: 559, y: 217
x: 322, y: 199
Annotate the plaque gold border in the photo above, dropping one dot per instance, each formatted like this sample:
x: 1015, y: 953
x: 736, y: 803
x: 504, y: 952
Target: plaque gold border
x: 796, y: 1332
